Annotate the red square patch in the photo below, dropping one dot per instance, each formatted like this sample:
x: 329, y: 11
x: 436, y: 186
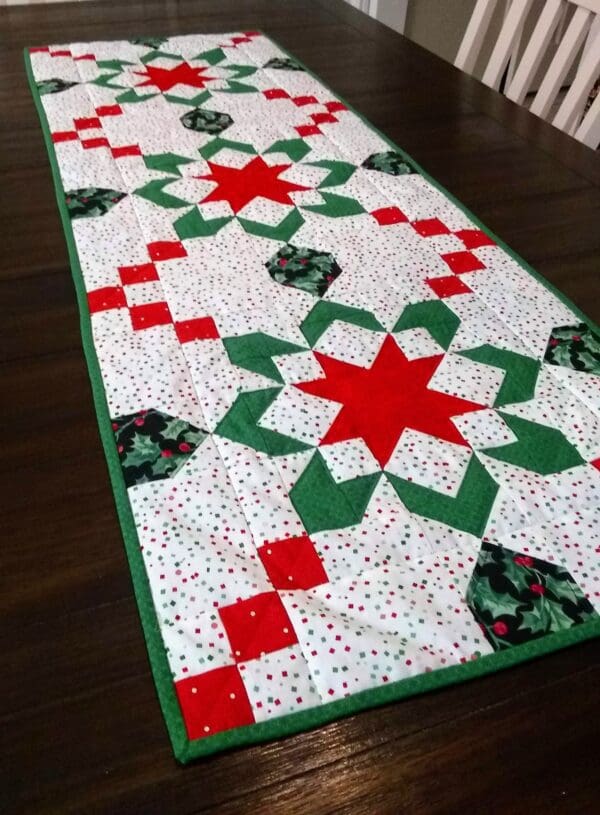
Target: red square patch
x: 448, y: 286
x: 429, y: 227
x: 276, y: 93
x: 322, y: 118
x: 64, y: 135
x: 462, y: 262
x: 334, y: 107
x: 149, y: 315
x: 257, y: 626
x: 167, y: 250
x: 87, y: 122
x: 200, y: 328
x: 109, y: 110
x: 142, y: 273
x: 389, y: 215
x: 474, y: 238
x: 214, y: 701
x: 106, y: 298
x: 126, y: 150
x: 293, y: 563
x: 308, y: 130
x: 299, y: 101
x: 89, y: 144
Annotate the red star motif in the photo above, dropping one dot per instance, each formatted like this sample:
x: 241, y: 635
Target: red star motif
x: 380, y: 401
x: 255, y: 180
x: 166, y: 78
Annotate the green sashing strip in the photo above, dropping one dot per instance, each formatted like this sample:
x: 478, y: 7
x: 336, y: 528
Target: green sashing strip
x: 184, y: 749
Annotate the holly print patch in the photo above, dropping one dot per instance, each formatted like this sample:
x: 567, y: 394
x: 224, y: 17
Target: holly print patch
x: 355, y: 443
x: 517, y: 598
x: 306, y: 269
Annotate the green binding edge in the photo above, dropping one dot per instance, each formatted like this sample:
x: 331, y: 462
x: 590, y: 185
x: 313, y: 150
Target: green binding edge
x: 184, y: 749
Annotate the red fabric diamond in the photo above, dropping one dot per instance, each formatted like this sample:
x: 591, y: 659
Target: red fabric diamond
x: 447, y: 286
x: 429, y: 227
x: 334, y: 107
x: 109, y: 110
x: 293, y: 563
x: 214, y: 701
x: 305, y: 100
x: 200, y: 328
x: 141, y: 273
x: 64, y: 53
x: 389, y: 215
x: 474, y: 238
x: 64, y: 135
x: 462, y: 262
x: 307, y: 130
x: 87, y: 123
x: 320, y: 118
x: 166, y: 250
x: 106, y: 298
x: 89, y: 144
x: 126, y: 150
x: 596, y: 463
x: 276, y: 93
x: 84, y: 56
x: 257, y: 626
x: 39, y: 49
x: 149, y: 315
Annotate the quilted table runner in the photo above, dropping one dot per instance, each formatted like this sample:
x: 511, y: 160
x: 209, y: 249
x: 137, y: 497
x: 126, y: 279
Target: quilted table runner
x: 354, y: 440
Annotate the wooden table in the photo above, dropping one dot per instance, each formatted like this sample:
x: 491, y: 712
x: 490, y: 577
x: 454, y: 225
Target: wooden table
x: 80, y: 723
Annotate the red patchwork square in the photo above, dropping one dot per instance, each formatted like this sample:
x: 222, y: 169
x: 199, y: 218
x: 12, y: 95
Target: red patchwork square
x: 64, y: 53
x: 149, y: 315
x: 462, y: 262
x: 307, y: 130
x: 89, y: 144
x: 429, y: 227
x: 276, y: 93
x: 106, y: 298
x: 126, y: 150
x: 257, y: 626
x: 109, y: 110
x: 389, y: 215
x: 84, y: 56
x: 474, y: 238
x: 321, y: 118
x: 142, y: 273
x: 166, y: 250
x: 64, y: 135
x: 87, y: 123
x: 213, y: 701
x: 299, y: 101
x: 293, y: 563
x: 448, y: 286
x: 335, y: 106
x: 200, y: 328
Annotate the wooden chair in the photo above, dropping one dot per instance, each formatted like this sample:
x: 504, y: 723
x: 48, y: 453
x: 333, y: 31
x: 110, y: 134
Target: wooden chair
x: 580, y: 41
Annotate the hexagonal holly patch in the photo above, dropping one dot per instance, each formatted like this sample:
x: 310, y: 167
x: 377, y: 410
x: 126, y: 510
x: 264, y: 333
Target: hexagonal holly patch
x: 311, y: 270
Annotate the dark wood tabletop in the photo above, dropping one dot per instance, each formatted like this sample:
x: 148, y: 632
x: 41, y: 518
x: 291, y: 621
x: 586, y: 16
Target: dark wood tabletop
x: 80, y: 726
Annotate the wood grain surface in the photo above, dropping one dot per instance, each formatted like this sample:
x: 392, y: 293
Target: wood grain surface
x: 80, y: 726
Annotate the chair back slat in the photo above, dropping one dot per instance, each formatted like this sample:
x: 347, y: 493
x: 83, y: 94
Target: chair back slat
x: 575, y: 99
x: 556, y: 74
x: 472, y: 41
x: 505, y: 44
x: 570, y: 59
x: 536, y: 49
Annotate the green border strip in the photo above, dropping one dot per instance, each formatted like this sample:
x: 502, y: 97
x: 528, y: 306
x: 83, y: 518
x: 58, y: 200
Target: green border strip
x: 291, y: 723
